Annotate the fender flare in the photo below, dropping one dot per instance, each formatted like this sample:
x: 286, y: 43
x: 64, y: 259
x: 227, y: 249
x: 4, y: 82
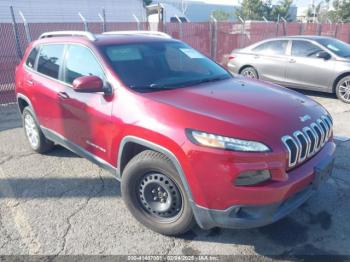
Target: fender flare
x: 160, y: 149
x: 25, y: 98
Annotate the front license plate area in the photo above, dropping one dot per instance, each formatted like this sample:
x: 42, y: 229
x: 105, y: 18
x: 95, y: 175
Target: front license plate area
x: 322, y: 172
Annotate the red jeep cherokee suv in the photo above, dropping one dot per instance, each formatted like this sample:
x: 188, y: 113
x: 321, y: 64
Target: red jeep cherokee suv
x: 189, y: 142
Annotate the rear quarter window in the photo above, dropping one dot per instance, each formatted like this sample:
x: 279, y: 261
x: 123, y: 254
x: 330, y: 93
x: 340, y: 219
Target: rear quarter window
x: 30, y: 62
x: 275, y: 47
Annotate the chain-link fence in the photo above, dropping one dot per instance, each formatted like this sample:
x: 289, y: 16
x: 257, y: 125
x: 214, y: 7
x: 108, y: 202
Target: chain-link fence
x: 214, y: 39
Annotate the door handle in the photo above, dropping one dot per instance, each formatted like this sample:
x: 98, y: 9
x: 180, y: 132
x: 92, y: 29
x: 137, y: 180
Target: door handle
x: 292, y: 61
x: 256, y: 56
x: 30, y: 82
x: 63, y: 95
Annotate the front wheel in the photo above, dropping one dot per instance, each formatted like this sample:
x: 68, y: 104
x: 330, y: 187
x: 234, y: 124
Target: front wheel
x: 343, y: 89
x: 154, y: 194
x: 250, y: 72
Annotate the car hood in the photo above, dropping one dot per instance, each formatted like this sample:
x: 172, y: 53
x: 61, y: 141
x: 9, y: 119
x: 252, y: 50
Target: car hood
x: 249, y: 106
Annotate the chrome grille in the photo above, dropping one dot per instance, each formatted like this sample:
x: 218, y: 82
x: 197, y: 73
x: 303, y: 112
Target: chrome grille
x: 308, y: 141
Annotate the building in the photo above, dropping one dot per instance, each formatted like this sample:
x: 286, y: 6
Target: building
x: 292, y: 13
x: 200, y: 11
x: 67, y: 10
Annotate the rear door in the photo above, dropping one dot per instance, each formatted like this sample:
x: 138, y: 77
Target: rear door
x: 270, y: 60
x: 305, y: 70
x: 45, y: 87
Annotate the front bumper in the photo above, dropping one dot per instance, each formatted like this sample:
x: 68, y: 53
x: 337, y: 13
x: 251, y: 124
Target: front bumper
x: 250, y: 216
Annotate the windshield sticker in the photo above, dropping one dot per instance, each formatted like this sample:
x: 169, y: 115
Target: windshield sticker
x: 191, y: 53
x: 332, y: 47
x: 117, y: 54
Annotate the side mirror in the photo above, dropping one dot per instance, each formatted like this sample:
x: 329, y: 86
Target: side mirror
x: 323, y: 55
x: 88, y: 84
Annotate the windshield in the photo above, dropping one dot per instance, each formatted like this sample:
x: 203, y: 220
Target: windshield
x: 161, y: 65
x: 338, y: 47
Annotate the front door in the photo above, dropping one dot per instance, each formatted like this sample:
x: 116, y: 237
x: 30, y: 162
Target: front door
x: 306, y: 70
x: 87, y: 116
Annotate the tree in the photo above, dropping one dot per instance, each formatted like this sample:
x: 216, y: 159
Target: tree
x: 250, y: 10
x: 342, y: 10
x: 267, y: 10
x: 257, y: 9
x: 320, y: 12
x: 281, y: 10
x: 221, y: 15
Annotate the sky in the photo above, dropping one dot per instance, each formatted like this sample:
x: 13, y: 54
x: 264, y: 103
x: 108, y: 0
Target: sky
x: 299, y: 3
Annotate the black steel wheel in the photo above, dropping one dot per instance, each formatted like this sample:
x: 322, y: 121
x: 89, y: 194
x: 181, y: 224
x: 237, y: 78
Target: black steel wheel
x: 154, y: 194
x: 160, y: 197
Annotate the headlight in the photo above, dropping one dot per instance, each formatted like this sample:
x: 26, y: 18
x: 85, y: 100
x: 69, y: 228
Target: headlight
x: 228, y: 143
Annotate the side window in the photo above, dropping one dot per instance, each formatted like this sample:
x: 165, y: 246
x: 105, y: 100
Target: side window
x: 304, y: 49
x: 32, y: 57
x: 50, y: 59
x: 173, y: 20
x: 277, y: 47
x: 81, y: 62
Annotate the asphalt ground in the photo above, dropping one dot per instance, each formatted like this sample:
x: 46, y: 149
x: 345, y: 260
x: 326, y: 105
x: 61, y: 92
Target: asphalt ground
x: 59, y: 203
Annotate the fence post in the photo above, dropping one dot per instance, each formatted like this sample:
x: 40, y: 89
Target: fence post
x: 103, y: 19
x: 301, y: 30
x: 86, y: 28
x: 15, y: 32
x: 137, y: 21
x: 319, y: 28
x: 26, y: 27
x: 284, y: 26
x: 180, y: 26
x: 336, y: 31
x: 242, y: 40
x: 214, y: 37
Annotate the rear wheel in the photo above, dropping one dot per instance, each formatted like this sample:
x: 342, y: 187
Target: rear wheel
x: 154, y: 194
x: 343, y: 89
x: 250, y: 72
x: 35, y: 136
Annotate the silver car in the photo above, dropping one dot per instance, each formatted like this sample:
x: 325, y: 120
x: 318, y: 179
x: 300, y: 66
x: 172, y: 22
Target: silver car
x: 306, y: 62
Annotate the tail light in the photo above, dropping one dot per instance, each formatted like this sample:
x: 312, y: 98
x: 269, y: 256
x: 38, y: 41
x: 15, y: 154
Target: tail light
x: 231, y: 57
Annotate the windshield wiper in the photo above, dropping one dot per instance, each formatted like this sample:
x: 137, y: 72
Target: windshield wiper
x: 154, y: 87
x: 207, y: 80
x: 160, y: 87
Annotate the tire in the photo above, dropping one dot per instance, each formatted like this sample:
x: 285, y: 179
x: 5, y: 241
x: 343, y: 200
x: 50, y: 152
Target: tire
x: 342, y: 89
x: 250, y: 72
x: 154, y: 194
x: 35, y: 136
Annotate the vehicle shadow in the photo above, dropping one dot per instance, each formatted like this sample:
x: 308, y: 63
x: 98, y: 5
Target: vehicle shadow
x: 316, y: 93
x: 60, y: 151
x: 98, y: 184
x: 34, y: 188
x: 9, y: 117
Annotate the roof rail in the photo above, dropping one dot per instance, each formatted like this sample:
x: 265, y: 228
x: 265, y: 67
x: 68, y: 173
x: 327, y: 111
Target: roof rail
x: 149, y: 33
x: 88, y: 35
